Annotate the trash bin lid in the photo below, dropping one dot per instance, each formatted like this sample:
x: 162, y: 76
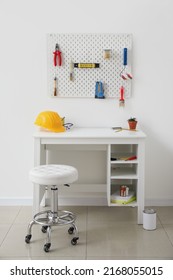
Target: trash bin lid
x: 149, y: 211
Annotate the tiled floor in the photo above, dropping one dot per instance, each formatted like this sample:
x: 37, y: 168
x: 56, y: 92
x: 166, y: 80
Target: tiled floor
x: 105, y: 233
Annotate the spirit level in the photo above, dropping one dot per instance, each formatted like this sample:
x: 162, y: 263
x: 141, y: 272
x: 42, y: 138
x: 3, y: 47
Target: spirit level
x: 86, y: 65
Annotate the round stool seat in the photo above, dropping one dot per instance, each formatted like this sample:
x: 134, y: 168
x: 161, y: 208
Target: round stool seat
x: 53, y: 174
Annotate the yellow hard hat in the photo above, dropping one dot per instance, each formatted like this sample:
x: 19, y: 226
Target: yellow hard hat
x: 51, y: 121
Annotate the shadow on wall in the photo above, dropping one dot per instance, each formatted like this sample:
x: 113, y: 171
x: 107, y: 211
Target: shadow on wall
x: 159, y: 170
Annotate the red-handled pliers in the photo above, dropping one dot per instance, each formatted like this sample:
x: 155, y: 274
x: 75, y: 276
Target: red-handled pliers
x: 57, y: 56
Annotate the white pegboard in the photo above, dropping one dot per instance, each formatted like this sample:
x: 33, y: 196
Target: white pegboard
x: 89, y: 48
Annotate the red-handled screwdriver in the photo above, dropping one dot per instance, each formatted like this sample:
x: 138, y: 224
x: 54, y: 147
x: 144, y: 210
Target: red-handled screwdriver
x: 131, y: 158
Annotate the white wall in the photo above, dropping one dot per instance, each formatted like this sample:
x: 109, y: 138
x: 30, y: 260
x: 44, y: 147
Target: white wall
x: 23, y: 85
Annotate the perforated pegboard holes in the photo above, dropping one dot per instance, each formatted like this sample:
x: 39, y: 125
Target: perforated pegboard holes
x: 89, y: 48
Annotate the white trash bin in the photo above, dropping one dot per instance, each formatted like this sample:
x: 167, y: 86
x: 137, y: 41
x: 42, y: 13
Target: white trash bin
x: 149, y: 219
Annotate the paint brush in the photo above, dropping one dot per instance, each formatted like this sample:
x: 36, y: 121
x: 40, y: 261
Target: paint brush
x: 121, y: 100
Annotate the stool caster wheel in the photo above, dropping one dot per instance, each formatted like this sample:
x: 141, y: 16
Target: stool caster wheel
x: 47, y: 247
x: 28, y: 238
x: 44, y: 229
x: 74, y: 240
x: 71, y: 230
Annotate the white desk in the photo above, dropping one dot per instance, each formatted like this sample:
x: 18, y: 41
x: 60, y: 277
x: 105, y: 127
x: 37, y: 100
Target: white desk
x: 114, y: 142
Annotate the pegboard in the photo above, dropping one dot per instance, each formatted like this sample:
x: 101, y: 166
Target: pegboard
x: 89, y: 48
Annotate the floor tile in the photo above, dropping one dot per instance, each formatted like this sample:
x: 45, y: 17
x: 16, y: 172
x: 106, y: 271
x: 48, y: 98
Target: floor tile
x: 14, y: 244
x: 127, y: 242
x: 105, y: 233
x: 8, y: 214
x: 24, y: 216
x: 169, y: 230
x: 120, y: 215
x: 165, y: 214
x: 3, y: 231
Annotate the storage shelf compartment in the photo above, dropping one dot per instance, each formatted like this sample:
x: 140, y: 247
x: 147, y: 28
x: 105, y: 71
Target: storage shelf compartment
x: 124, y: 148
x: 124, y: 171
x: 123, y: 158
x: 130, y: 199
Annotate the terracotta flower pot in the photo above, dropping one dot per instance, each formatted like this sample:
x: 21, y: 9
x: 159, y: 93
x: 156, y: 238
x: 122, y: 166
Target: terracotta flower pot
x: 132, y: 124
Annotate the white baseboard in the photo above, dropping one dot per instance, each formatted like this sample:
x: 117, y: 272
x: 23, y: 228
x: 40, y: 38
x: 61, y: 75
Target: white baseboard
x: 159, y: 202
x: 15, y: 201
x: 84, y: 201
x: 80, y: 201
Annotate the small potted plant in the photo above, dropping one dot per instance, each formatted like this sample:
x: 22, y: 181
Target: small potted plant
x: 132, y: 123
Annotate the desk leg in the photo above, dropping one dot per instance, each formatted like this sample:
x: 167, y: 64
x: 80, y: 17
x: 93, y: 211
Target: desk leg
x: 141, y: 182
x: 38, y: 196
x: 38, y: 191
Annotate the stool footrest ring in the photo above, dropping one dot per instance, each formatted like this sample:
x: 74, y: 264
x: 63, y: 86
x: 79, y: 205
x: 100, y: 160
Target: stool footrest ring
x: 59, y: 218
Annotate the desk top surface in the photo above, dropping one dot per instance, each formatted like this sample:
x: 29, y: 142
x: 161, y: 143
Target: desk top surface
x: 94, y: 132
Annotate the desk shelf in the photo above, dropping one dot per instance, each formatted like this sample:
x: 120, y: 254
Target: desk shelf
x: 115, y: 192
x: 123, y: 172
x: 128, y: 173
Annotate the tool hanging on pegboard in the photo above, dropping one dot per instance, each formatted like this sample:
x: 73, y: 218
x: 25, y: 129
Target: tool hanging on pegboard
x: 86, y: 65
x: 71, y: 71
x: 122, y: 100
x: 55, y: 92
x: 125, y: 74
x: 57, y: 56
x: 99, y: 90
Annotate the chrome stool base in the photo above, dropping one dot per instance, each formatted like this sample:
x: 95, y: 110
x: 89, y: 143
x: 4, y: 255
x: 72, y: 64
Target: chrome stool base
x: 53, y: 217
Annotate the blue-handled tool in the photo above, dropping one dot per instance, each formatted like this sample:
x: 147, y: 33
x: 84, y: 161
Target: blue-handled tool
x: 125, y: 56
x: 124, y: 74
x: 99, y: 90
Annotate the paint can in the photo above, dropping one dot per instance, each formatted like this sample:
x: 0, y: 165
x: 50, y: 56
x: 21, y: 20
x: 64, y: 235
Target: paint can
x: 122, y: 190
x: 149, y: 219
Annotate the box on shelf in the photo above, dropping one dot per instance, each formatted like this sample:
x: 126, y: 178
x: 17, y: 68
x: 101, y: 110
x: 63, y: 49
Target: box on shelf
x: 116, y: 198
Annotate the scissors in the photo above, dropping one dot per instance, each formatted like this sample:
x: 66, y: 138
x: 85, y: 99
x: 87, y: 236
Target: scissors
x: 119, y: 128
x: 68, y: 125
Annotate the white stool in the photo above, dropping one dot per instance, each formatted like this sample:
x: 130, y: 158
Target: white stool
x: 53, y: 175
